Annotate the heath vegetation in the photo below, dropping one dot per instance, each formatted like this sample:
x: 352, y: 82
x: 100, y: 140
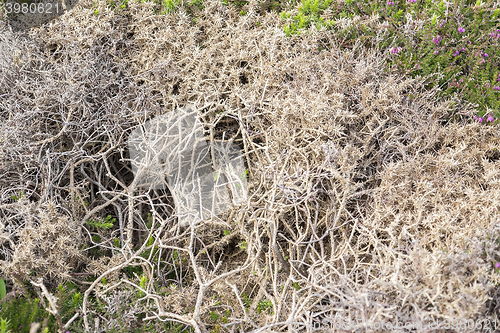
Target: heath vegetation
x: 369, y: 132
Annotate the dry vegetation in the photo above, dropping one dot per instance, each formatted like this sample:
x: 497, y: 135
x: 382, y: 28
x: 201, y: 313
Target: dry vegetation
x: 363, y: 203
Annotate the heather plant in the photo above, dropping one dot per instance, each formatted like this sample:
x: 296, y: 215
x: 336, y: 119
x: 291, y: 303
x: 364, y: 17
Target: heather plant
x: 459, y: 42
x: 25, y: 307
x: 465, y: 50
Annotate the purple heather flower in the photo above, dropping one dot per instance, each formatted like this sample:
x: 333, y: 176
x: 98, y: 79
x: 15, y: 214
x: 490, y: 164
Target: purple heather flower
x: 461, y: 30
x: 437, y: 39
x: 496, y: 88
x: 442, y: 23
x: 456, y: 53
x: 463, y: 49
x: 395, y: 50
x: 390, y: 3
x: 481, y: 119
x: 414, y: 1
x: 497, y: 265
x: 485, y: 55
x: 490, y: 118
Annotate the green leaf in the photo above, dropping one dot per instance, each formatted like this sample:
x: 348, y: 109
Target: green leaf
x: 107, y: 223
x: 214, y: 316
x: 3, y: 290
x: 246, y: 300
x: 495, y: 13
x: 434, y: 19
x: 77, y: 297
x: 398, y: 15
x: 4, y: 326
x: 169, y: 5
x: 17, y: 197
x: 144, y: 281
x: 263, y: 305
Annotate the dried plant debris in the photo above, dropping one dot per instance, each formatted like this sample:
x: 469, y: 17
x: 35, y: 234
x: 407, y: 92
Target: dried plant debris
x: 362, y: 205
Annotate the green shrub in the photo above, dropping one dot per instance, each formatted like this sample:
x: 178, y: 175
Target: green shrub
x: 19, y: 313
x: 308, y: 13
